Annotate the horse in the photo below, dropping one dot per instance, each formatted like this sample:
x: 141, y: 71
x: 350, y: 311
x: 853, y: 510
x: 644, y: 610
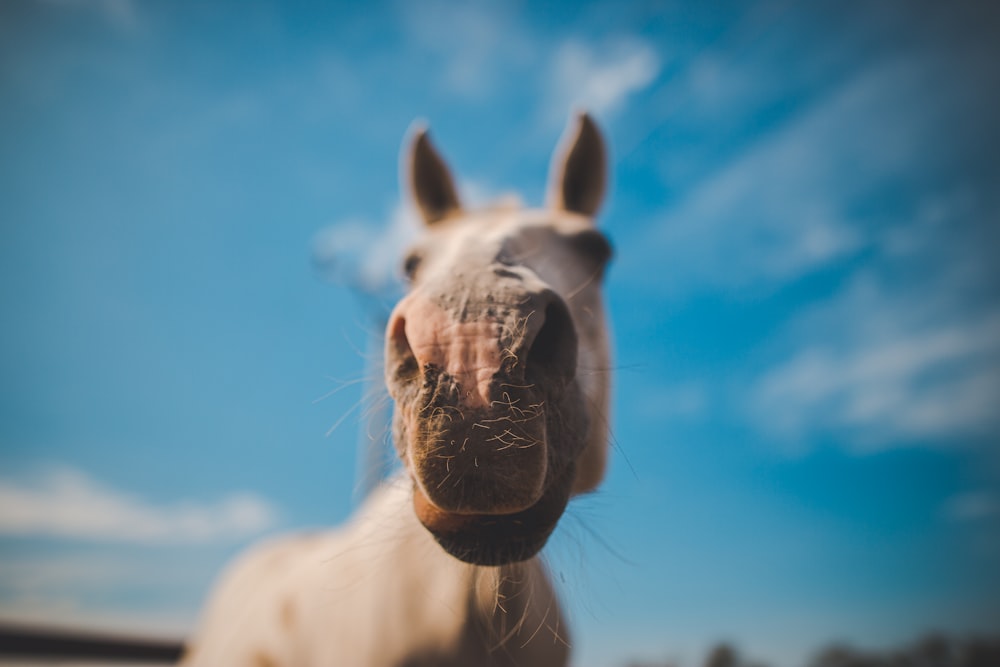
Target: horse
x: 497, y: 360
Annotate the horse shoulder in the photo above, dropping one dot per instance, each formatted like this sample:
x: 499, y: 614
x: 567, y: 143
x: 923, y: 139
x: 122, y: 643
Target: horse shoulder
x: 254, y: 608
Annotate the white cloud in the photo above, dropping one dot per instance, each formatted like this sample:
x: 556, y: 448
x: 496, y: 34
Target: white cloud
x: 907, y: 353
x: 67, y: 503
x: 475, y: 51
x: 878, y: 367
x: 600, y: 78
x: 362, y: 255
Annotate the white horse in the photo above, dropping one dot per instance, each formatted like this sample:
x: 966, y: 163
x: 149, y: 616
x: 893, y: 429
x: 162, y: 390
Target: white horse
x: 497, y: 361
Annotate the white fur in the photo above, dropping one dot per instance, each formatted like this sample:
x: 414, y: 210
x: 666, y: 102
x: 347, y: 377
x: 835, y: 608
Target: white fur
x: 375, y: 593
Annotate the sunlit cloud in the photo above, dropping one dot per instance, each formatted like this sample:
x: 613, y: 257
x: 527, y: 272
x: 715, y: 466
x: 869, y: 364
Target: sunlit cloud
x: 67, y: 503
x: 600, y: 78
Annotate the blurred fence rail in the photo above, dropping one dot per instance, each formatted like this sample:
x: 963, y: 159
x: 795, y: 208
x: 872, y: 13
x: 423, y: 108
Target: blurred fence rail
x: 32, y: 643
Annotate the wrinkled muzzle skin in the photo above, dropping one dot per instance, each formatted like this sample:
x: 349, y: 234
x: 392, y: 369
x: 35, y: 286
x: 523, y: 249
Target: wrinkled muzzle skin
x: 489, y: 415
x: 493, y: 420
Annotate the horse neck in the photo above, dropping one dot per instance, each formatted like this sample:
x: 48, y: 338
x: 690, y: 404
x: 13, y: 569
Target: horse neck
x: 486, y: 601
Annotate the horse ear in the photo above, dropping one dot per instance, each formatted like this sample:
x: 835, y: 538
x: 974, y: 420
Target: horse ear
x: 430, y: 181
x: 578, y: 174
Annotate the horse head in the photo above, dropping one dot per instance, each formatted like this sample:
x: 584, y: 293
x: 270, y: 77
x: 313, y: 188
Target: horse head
x: 497, y: 357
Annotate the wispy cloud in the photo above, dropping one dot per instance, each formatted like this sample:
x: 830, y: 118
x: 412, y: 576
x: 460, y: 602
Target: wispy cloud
x: 67, y: 503
x: 851, y: 182
x: 880, y: 368
x: 908, y: 352
x: 787, y: 205
x: 482, y: 50
x: 600, y: 77
x: 364, y: 255
x: 367, y: 255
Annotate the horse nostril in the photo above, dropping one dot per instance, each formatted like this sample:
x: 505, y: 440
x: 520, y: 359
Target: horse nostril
x: 554, y: 347
x: 399, y: 354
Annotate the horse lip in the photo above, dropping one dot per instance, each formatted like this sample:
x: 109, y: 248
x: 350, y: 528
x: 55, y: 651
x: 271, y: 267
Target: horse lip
x: 440, y: 520
x: 494, y: 539
x: 436, y: 519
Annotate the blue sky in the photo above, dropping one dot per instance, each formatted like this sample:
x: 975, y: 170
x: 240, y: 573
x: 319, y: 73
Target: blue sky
x: 804, y: 299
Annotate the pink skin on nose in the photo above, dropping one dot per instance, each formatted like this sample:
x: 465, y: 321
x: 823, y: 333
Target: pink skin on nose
x: 468, y: 351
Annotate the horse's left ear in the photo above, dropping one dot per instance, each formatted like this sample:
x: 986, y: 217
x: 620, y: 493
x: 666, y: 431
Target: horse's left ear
x: 579, y: 171
x: 430, y: 180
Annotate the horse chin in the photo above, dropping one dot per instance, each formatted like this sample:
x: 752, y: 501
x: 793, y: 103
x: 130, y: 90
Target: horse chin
x: 495, y: 539
x: 487, y: 504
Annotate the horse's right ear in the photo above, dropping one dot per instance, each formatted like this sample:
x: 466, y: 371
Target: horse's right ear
x: 577, y: 178
x: 429, y: 180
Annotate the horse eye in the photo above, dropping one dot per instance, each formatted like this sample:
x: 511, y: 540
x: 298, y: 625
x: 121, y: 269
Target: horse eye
x: 410, y: 265
x: 593, y: 245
